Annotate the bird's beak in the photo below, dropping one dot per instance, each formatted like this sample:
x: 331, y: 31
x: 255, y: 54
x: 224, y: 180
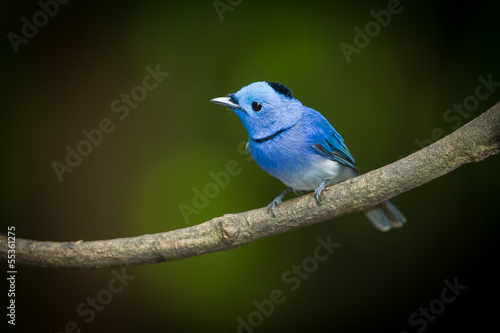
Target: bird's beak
x: 226, y: 101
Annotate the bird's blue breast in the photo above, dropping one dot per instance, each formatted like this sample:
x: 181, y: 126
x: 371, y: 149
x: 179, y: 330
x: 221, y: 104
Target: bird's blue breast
x: 289, y: 155
x: 284, y: 155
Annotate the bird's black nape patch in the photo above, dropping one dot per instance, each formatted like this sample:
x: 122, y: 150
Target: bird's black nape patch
x: 281, y: 89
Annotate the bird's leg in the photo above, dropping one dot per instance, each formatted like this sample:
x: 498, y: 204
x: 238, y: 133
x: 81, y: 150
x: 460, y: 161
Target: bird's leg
x: 277, y: 200
x: 319, y: 190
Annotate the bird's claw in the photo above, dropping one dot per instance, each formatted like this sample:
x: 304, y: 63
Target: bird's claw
x: 272, y: 205
x: 317, y: 195
x: 277, y: 201
x: 319, y: 190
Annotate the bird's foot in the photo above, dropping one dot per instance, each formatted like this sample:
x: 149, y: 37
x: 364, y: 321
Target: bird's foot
x: 318, y: 191
x: 276, y: 201
x: 272, y: 205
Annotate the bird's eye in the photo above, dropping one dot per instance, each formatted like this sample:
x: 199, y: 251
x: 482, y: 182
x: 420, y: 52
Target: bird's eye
x: 256, y: 106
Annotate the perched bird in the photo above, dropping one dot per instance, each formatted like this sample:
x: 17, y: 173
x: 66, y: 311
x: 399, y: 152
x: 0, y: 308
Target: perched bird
x: 297, y: 145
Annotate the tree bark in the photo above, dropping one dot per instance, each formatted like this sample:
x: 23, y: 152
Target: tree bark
x: 473, y: 142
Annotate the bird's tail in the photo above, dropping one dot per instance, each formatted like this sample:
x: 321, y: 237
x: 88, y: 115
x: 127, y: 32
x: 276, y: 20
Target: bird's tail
x: 385, y: 216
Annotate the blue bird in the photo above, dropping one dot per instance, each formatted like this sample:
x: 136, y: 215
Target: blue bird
x: 297, y: 145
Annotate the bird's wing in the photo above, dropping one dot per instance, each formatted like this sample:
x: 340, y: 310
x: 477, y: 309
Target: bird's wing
x: 331, y: 145
x: 333, y: 155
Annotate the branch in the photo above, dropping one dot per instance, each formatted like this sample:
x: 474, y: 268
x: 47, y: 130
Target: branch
x: 473, y: 142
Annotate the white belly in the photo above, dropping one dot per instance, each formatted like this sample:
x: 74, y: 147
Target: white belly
x: 320, y: 170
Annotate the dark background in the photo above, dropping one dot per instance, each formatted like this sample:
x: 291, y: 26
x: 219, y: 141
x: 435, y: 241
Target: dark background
x: 394, y: 92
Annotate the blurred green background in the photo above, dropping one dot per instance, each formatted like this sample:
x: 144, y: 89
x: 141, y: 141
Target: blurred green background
x: 395, y: 91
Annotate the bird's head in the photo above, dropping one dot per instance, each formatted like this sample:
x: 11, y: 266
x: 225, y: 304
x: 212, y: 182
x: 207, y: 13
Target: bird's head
x: 264, y: 108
